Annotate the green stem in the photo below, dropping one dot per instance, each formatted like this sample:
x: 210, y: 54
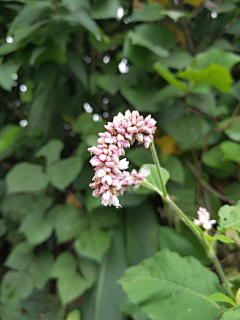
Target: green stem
x: 157, y: 163
x: 220, y: 271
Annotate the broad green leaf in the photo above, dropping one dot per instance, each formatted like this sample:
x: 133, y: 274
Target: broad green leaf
x: 77, y: 66
x: 184, y: 243
x: 216, y: 75
x: 177, y: 60
x: 8, y: 135
x: 231, y: 150
x: 144, y: 37
x: 214, y: 56
x: 175, y: 169
x: 234, y: 28
x: 20, y: 256
x: 92, y: 202
x: 51, y: 151
x: 10, y: 311
x: 168, y: 76
x: 153, y: 177
x: 133, y: 310
x: 151, y: 284
x: 219, y: 296
x: 141, y: 220
x: 40, y: 269
x: 17, y: 205
x: 222, y: 238
x: 26, y: 177
x: 6, y: 71
x: 36, y: 228
x: 231, y: 314
x: 139, y: 156
x: 64, y: 172
x: 36, y: 303
x: 229, y: 217
x: 109, y: 294
x: 93, y: 243
x: 53, y: 52
x: 149, y: 12
x: 204, y: 102
x: 74, y: 315
x: 65, y: 262
x: 132, y: 199
x: 233, y: 131
x: 104, y: 217
x: 214, y: 158
x: 68, y: 222
x: 174, y: 14
x: 105, y: 9
x: 15, y: 286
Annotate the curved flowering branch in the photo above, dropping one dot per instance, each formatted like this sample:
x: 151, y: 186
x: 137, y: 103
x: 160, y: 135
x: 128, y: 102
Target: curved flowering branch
x: 109, y: 180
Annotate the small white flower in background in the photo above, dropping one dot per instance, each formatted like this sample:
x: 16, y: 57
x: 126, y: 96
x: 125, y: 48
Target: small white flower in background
x: 203, y: 219
x: 145, y: 172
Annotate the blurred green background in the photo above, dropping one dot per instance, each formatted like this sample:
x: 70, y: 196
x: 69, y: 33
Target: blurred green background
x: 66, y: 68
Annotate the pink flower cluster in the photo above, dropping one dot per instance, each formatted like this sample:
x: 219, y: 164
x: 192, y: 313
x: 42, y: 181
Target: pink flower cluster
x: 109, y: 180
x: 204, y: 219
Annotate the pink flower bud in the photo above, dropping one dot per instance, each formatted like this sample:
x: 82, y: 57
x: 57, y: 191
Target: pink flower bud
x: 95, y: 150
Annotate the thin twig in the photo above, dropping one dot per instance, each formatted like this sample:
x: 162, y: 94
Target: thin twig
x: 189, y: 36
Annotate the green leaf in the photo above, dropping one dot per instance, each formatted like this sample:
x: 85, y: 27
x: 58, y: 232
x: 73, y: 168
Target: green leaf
x: 174, y: 14
x: 17, y: 205
x: 133, y: 310
x: 68, y: 222
x: 184, y: 243
x: 74, y: 315
x: 64, y: 172
x: 177, y: 60
x: 6, y: 71
x: 139, y: 156
x: 10, y: 311
x: 149, y: 12
x: 51, y: 151
x: 28, y: 15
x: 36, y: 228
x: 16, y: 285
x: 231, y: 314
x: 216, y: 75
x: 229, y: 217
x: 233, y: 131
x: 8, y: 135
x: 3, y: 227
x: 204, y: 102
x: 234, y: 28
x: 105, y: 9
x: 93, y: 243
x: 144, y: 36
x: 40, y: 269
x: 214, y: 56
x: 219, y: 296
x: 108, y: 294
x: 175, y: 169
x: 222, y: 238
x: 65, y: 262
x: 20, y: 256
x: 153, y: 177
x: 77, y: 67
x: 214, y: 158
x: 141, y: 220
x: 26, y: 177
x: 167, y: 75
x: 231, y: 150
x: 151, y: 284
x: 104, y: 217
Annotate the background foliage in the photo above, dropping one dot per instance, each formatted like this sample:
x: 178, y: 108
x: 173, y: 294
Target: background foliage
x: 66, y: 67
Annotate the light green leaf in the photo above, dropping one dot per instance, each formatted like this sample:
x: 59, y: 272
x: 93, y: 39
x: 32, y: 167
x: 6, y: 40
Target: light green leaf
x: 233, y: 131
x: 64, y: 263
x: 216, y: 75
x: 214, y: 56
x: 20, y: 256
x: 167, y: 75
x: 10, y: 311
x: 51, y: 151
x: 6, y: 71
x: 105, y: 9
x: 74, y: 315
x: 219, y: 296
x: 64, y: 172
x: 68, y: 222
x: 222, y: 238
x: 177, y: 60
x: 133, y: 310
x: 41, y: 268
x: 149, y: 12
x: 214, y: 158
x: 174, y: 14
x: 151, y: 284
x: 231, y: 150
x: 16, y: 285
x: 229, y: 217
x: 8, y: 135
x: 93, y: 243
x: 144, y: 36
x: 231, y: 314
x: 153, y: 177
x: 175, y: 169
x: 36, y: 228
x: 26, y: 177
